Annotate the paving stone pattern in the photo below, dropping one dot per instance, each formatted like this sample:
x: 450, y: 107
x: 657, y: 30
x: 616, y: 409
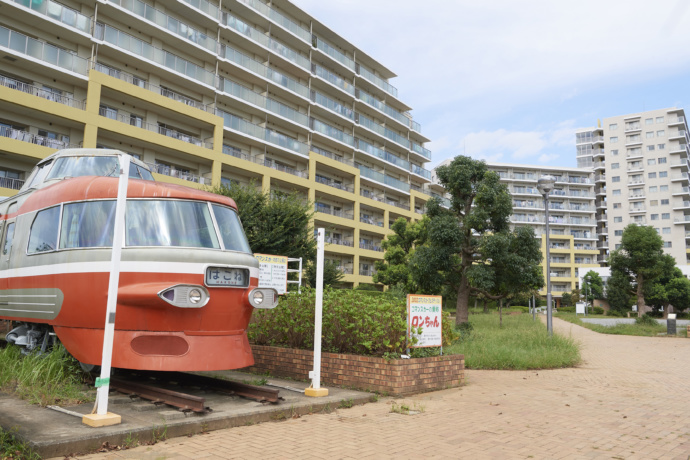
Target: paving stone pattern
x: 629, y: 399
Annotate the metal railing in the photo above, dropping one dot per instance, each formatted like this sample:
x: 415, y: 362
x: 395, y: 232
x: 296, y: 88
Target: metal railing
x: 332, y: 183
x: 26, y: 136
x: 42, y: 93
x: 332, y: 156
x: 58, y: 12
x: 11, y: 183
x: 371, y: 247
x: 171, y: 171
x: 339, y: 241
x: 282, y: 168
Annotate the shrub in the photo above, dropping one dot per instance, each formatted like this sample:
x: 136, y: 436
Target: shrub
x: 353, y: 322
x: 646, y: 320
x: 616, y: 313
x: 567, y: 310
x: 597, y: 311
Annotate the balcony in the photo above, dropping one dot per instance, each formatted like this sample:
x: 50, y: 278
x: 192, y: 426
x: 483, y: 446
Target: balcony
x: 418, y: 170
x: 270, y: 105
x: 680, y: 135
x: 597, y: 139
x: 636, y: 181
x: 371, y: 220
x: 600, y: 178
x: 273, y: 76
x: 682, y: 191
x: 682, y: 220
x: 242, y: 126
x: 685, y: 205
x: 383, y: 179
x: 42, y: 93
x: 60, y: 13
x: 332, y: 132
x: 282, y: 168
x: 334, y: 106
x: 675, y: 121
x: 204, y: 6
x: 383, y: 107
x: 426, y: 153
x: 679, y: 164
x: 634, y: 155
x: 679, y: 177
x: 170, y: 171
x: 42, y: 51
x: 371, y: 247
x: 332, y: 156
x: 335, y: 80
x: 333, y: 53
x: 527, y: 219
x: 26, y: 136
x: 637, y: 196
x: 11, y: 183
x: 326, y: 209
x: 378, y: 81
x: 372, y: 196
x: 332, y: 183
x: 367, y: 272
x: 339, y: 242
x: 280, y: 19
x: 636, y: 209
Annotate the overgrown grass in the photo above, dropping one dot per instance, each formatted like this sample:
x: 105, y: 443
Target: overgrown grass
x: 51, y: 378
x: 646, y: 330
x: 12, y: 448
x: 520, y: 344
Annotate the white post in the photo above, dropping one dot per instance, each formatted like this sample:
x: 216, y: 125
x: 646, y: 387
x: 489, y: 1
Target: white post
x: 118, y: 238
x: 315, y: 389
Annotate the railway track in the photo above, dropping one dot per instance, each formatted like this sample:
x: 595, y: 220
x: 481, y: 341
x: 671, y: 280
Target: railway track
x: 156, y: 387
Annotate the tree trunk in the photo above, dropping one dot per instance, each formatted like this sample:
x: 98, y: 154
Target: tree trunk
x: 486, y: 306
x: 462, y: 314
x: 500, y: 313
x: 640, y: 296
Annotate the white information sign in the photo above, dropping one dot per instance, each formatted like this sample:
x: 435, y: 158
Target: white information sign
x: 580, y: 308
x: 273, y: 272
x: 425, y: 311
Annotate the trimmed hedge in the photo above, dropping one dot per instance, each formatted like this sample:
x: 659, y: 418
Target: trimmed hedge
x: 353, y: 322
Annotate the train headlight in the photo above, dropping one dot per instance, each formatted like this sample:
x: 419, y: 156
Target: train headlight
x: 263, y: 298
x: 185, y: 296
x: 195, y: 296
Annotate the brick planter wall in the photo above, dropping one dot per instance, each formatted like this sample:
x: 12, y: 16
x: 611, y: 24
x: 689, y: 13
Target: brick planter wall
x: 397, y: 377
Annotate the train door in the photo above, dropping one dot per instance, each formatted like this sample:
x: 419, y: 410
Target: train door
x: 6, y: 244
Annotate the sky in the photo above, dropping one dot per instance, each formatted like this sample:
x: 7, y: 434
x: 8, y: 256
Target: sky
x: 510, y: 81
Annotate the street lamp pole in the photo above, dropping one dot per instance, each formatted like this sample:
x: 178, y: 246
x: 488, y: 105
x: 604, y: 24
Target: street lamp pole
x: 545, y: 185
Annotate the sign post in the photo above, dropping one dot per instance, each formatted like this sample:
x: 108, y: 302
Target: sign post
x: 425, y: 311
x: 315, y: 388
x: 102, y: 417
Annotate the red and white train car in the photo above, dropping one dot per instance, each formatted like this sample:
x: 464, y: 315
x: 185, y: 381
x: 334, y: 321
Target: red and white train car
x: 188, y: 279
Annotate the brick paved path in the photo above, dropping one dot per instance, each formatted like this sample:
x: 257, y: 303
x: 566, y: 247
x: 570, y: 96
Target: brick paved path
x: 628, y: 400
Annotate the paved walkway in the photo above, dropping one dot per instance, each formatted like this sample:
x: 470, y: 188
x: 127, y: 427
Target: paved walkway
x: 629, y: 399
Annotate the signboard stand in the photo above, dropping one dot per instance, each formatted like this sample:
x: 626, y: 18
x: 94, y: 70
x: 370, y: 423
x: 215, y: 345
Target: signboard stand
x: 425, y: 311
x: 315, y: 389
x: 273, y: 272
x: 102, y: 417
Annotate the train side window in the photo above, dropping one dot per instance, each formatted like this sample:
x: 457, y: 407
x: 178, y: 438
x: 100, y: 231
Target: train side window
x: 44, y: 231
x: 89, y: 224
x: 9, y: 236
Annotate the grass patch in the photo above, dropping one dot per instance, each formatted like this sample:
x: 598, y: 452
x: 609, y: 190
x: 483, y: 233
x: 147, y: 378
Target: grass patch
x: 11, y: 448
x: 51, y: 378
x: 520, y: 344
x: 646, y: 330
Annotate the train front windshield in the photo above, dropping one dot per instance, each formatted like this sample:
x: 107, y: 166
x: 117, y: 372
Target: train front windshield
x: 153, y: 223
x: 77, y: 166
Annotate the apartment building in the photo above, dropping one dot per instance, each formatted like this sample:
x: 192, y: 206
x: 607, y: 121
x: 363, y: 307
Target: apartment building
x: 208, y: 93
x: 572, y: 224
x: 640, y: 162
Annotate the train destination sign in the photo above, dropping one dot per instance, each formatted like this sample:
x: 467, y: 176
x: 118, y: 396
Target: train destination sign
x: 425, y: 311
x: 273, y: 272
x: 220, y: 276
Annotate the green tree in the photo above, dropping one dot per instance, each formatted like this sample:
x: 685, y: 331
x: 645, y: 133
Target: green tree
x: 592, y: 286
x: 511, y: 266
x: 400, y: 246
x: 671, y: 288
x: 480, y: 205
x: 332, y: 274
x: 641, y: 257
x: 567, y: 299
x: 277, y: 223
x: 619, y: 291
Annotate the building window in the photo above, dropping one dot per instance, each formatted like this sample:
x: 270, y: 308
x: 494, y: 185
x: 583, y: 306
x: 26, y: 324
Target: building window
x: 634, y: 138
x: 654, y: 203
x: 614, y: 152
x: 649, y: 134
x: 653, y: 189
x: 666, y: 230
x: 651, y: 175
x: 655, y: 216
x: 616, y: 192
x: 666, y: 216
x: 651, y: 161
x: 661, y: 160
x: 618, y: 232
x: 664, y: 201
x: 661, y: 146
x: 659, y: 119
x: 648, y: 121
x: 663, y: 188
x: 663, y: 174
x: 660, y: 133
x: 616, y: 179
x: 615, y: 165
x: 618, y: 246
x: 613, y: 139
x: 650, y: 148
x: 613, y: 126
x: 616, y: 205
x: 667, y: 244
x: 618, y: 219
